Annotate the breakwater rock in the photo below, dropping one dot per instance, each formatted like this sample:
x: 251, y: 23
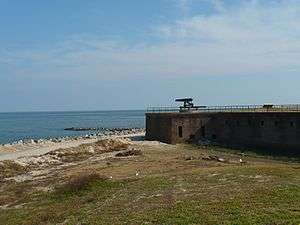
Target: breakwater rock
x: 81, y: 129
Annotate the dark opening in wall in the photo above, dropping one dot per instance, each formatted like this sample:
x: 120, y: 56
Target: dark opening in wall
x: 292, y: 124
x: 180, y: 131
x: 249, y: 122
x: 203, y: 131
x: 214, y: 137
x: 192, y: 137
x: 262, y: 123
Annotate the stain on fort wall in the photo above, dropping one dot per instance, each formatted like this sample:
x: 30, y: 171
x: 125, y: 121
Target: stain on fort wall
x: 159, y: 128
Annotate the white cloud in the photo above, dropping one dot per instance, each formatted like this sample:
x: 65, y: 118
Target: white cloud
x: 250, y: 21
x: 251, y: 38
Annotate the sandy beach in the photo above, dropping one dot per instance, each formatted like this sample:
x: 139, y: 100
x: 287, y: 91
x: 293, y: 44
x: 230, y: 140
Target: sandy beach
x: 14, y: 151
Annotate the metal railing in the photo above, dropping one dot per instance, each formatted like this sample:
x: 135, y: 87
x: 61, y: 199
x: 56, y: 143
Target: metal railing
x: 229, y: 108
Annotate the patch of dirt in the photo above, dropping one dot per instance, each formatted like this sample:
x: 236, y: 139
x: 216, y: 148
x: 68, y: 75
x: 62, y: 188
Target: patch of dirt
x: 131, y: 152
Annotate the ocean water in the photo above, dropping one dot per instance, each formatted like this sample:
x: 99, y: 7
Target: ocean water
x: 36, y: 125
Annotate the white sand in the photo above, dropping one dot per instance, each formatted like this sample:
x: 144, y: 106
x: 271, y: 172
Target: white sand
x: 13, y: 152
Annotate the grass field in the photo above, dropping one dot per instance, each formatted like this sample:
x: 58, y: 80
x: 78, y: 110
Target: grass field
x: 165, y: 185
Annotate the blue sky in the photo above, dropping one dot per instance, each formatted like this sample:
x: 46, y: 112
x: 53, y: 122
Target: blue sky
x: 102, y: 55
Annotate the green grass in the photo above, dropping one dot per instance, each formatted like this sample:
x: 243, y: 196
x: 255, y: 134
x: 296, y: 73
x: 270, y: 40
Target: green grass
x: 259, y: 153
x: 233, y: 196
x: 263, y: 191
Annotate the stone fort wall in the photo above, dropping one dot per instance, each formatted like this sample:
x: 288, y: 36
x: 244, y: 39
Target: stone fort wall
x: 276, y: 131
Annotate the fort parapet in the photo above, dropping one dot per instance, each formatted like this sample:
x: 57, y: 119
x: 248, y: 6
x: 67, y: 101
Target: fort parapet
x: 269, y: 127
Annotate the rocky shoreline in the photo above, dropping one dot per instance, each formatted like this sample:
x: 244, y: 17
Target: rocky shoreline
x: 101, y: 132
x: 100, y: 129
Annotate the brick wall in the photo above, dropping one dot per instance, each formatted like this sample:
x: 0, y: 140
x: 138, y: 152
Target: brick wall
x: 269, y: 130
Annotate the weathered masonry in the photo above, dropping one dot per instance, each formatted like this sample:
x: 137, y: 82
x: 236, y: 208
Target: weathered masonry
x: 271, y: 127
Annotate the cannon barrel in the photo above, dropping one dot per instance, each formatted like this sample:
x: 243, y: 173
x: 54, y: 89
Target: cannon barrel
x: 183, y: 100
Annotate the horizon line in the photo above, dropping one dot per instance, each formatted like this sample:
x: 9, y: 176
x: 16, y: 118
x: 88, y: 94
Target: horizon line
x: 57, y: 111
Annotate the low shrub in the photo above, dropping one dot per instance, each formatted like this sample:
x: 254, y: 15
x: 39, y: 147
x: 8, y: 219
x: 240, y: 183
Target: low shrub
x: 80, y: 183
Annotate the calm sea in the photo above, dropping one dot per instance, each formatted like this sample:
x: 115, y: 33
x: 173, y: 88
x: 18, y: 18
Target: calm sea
x: 35, y: 125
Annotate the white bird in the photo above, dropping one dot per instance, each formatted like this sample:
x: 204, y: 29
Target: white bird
x: 137, y: 173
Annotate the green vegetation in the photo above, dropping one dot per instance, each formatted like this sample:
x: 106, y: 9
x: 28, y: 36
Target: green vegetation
x: 256, y: 193
x: 273, y: 197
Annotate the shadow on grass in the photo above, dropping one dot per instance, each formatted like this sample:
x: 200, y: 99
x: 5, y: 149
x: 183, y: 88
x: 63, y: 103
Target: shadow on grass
x: 254, y: 152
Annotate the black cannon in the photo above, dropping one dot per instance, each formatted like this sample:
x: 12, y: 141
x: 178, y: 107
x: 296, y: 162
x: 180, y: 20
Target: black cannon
x: 188, y: 105
x: 187, y: 102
